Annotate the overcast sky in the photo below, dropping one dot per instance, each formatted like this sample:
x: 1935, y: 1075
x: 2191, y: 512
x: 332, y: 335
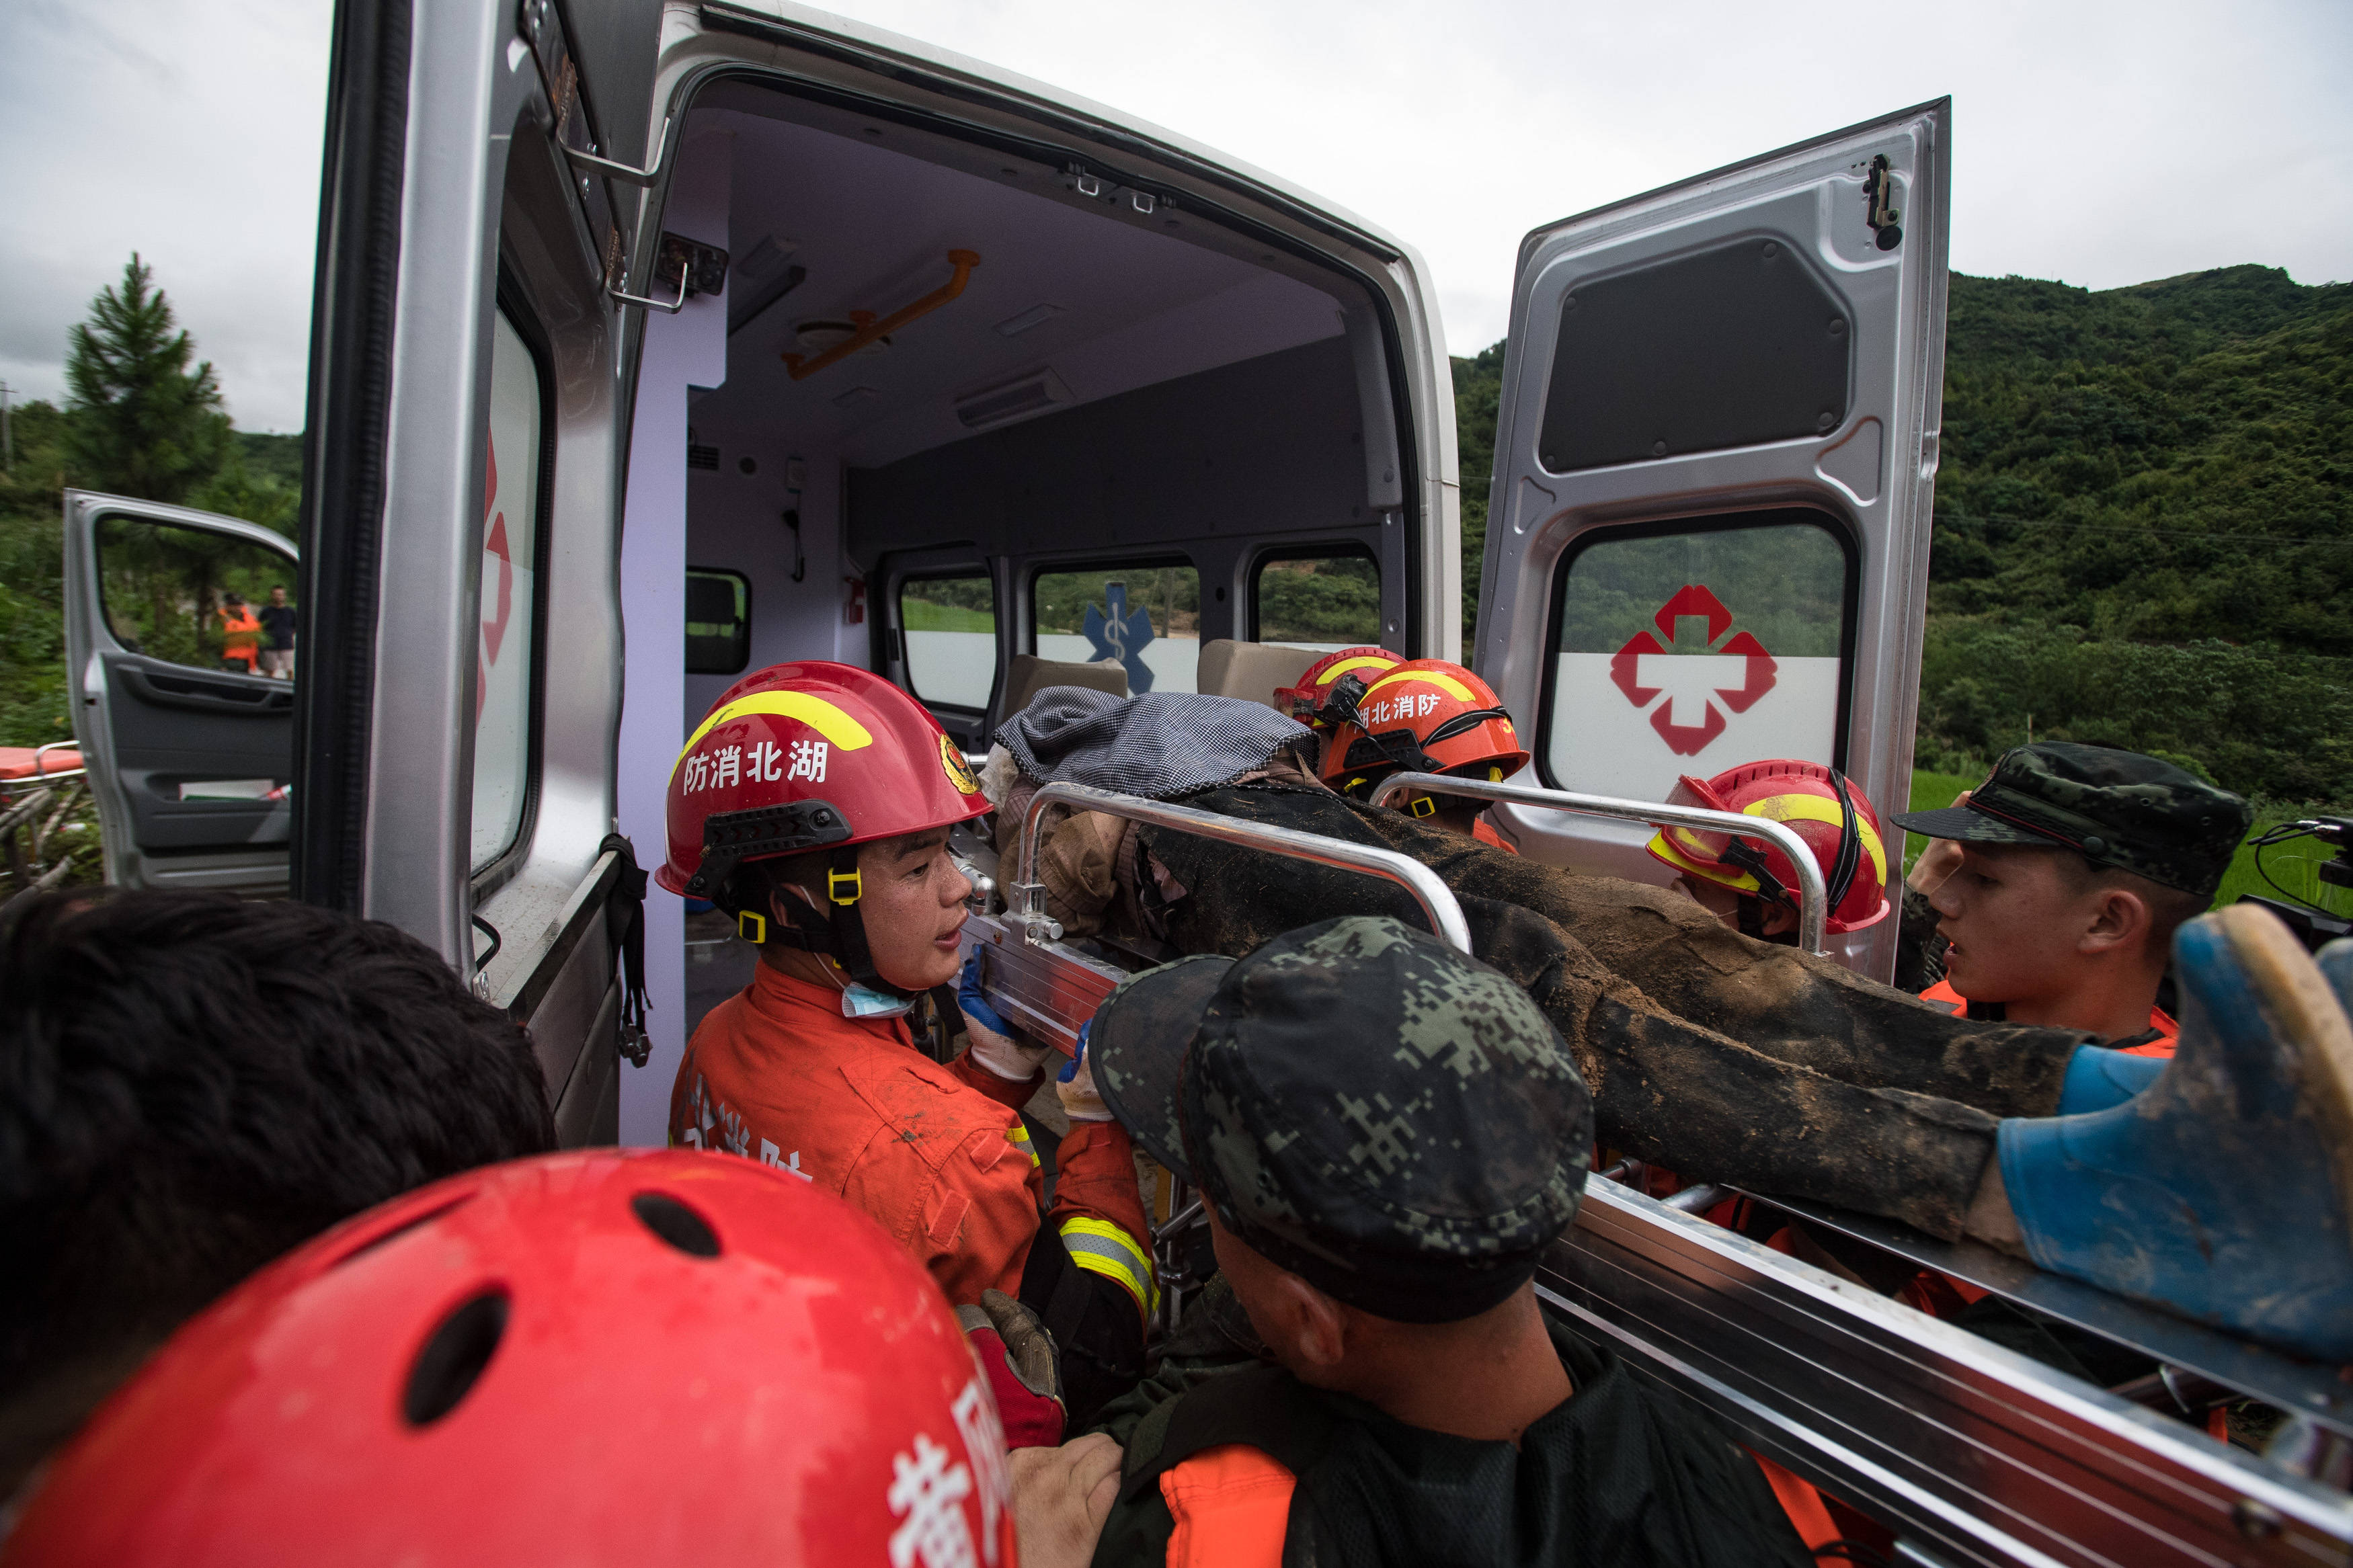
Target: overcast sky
x: 2102, y: 143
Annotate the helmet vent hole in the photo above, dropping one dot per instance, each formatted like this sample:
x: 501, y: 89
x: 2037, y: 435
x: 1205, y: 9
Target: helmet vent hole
x: 675, y: 1224
x: 452, y: 1361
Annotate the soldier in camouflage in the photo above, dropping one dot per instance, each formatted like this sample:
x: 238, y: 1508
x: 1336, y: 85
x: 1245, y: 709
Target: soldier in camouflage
x: 2056, y: 886
x: 1387, y: 1134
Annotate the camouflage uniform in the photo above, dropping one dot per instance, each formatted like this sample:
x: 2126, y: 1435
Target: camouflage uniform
x: 1728, y: 1058
x: 1401, y: 1127
x: 2113, y: 808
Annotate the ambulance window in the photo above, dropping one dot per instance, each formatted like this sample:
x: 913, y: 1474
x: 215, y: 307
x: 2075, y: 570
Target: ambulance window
x: 1693, y: 647
x: 508, y: 645
x: 1329, y: 600
x: 951, y: 626
x: 1144, y: 615
x: 718, y: 621
x: 189, y: 595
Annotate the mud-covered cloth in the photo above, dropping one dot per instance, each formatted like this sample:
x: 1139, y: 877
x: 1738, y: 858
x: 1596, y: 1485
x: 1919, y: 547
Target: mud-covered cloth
x: 1158, y: 744
x: 1614, y: 1477
x: 1728, y: 1058
x: 1919, y: 951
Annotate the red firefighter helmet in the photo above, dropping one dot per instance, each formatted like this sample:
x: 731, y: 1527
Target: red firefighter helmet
x: 1307, y: 700
x: 806, y: 756
x: 1426, y: 716
x: 1826, y: 809
x: 594, y: 1358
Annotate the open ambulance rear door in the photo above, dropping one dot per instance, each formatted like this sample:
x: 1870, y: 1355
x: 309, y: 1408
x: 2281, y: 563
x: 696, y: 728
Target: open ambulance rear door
x: 461, y: 662
x: 1707, y: 543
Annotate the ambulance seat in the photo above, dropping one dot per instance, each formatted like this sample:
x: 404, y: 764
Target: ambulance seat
x: 1250, y: 670
x: 1029, y: 675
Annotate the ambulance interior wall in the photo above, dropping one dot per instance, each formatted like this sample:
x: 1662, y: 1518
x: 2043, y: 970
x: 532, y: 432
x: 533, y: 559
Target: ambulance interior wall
x: 735, y: 522
x: 1223, y: 461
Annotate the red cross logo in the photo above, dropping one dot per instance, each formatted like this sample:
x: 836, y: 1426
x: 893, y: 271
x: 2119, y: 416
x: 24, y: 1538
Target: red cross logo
x: 1735, y: 671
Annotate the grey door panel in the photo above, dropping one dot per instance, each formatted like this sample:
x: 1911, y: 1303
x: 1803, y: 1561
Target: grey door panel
x: 189, y: 760
x: 1706, y: 388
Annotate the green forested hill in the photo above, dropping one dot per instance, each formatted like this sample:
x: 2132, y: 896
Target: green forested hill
x: 2143, y: 523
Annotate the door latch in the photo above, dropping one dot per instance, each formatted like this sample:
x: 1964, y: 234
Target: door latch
x: 700, y: 269
x: 1878, y: 208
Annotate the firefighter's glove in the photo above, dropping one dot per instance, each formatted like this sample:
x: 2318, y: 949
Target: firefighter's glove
x: 993, y: 1044
x: 1023, y: 1366
x: 1075, y: 1086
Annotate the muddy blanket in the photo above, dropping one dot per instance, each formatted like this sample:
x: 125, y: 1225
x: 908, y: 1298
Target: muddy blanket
x: 1728, y: 1058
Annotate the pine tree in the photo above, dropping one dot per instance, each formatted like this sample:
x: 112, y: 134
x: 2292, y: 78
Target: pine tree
x: 144, y: 422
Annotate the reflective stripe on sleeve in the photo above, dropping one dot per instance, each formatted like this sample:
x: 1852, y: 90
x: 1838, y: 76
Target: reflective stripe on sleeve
x: 1019, y: 1136
x: 1101, y: 1247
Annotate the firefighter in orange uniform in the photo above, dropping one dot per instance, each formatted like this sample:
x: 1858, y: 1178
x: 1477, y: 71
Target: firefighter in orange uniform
x: 814, y: 804
x: 1426, y: 716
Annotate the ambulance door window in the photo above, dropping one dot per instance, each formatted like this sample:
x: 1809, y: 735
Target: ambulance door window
x: 1693, y: 647
x: 1144, y: 616
x: 1329, y: 599
x: 507, y: 651
x: 718, y: 621
x: 951, y: 629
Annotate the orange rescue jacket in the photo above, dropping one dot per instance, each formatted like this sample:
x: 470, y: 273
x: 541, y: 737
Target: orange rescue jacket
x: 936, y: 1154
x: 2168, y: 1031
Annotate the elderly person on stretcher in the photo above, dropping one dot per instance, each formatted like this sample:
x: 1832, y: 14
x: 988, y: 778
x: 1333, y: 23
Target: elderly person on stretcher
x: 2217, y: 1184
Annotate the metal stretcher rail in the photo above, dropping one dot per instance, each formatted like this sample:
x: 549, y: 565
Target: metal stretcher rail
x: 1027, y: 902
x: 1813, y: 893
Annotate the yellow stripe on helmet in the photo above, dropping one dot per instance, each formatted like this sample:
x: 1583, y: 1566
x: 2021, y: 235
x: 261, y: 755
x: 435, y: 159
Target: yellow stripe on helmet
x: 1678, y: 854
x: 837, y: 727
x: 1445, y: 683
x: 1346, y: 665
x: 1795, y: 808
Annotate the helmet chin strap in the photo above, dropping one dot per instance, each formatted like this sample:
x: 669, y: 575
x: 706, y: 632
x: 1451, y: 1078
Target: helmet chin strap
x: 837, y: 931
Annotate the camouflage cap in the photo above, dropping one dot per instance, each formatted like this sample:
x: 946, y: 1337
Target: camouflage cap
x: 1392, y: 1120
x: 2113, y: 808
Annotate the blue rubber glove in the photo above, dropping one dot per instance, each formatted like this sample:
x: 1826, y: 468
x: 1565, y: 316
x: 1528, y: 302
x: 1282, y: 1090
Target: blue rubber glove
x: 993, y: 1044
x: 1074, y: 1085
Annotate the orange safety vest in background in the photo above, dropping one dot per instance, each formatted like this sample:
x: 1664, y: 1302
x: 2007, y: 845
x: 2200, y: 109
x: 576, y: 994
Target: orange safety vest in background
x: 240, y: 635
x: 936, y: 1154
x: 2168, y: 1031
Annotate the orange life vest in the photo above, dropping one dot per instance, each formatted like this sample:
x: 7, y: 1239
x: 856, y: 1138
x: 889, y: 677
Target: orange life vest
x: 2168, y: 1031
x: 240, y: 635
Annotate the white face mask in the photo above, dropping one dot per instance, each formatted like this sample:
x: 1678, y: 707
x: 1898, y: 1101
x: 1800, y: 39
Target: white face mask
x: 865, y: 1002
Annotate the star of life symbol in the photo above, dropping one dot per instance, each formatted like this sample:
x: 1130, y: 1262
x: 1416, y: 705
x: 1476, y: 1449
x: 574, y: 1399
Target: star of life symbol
x: 1735, y: 671
x: 930, y: 1492
x: 1118, y: 635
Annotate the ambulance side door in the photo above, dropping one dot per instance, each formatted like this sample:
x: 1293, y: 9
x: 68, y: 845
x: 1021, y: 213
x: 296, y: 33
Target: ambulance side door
x: 455, y: 742
x: 190, y: 752
x: 1715, y: 453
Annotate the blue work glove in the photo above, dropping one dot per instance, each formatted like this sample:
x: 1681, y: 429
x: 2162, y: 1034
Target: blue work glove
x: 994, y: 1043
x: 1074, y: 1085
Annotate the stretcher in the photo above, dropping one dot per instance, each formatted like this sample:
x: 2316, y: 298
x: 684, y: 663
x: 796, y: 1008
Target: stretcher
x: 1971, y: 1453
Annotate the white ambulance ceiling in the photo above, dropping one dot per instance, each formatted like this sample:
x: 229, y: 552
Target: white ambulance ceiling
x: 1118, y: 301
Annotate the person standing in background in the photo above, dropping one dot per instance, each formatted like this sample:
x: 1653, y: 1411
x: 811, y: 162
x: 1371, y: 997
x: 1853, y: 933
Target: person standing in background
x: 278, y: 625
x: 240, y: 634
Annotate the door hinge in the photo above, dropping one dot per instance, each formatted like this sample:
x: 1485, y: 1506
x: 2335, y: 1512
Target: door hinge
x: 1878, y: 203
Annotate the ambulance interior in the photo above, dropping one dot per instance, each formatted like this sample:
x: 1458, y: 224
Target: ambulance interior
x: 1126, y: 406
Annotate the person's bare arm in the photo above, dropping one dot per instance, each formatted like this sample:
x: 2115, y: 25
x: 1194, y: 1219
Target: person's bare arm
x: 1061, y: 1499
x: 1938, y: 861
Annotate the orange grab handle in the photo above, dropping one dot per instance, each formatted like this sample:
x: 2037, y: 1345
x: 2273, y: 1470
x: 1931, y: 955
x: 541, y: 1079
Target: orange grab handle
x: 869, y: 329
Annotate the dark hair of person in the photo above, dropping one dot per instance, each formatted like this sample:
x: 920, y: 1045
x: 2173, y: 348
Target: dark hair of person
x: 190, y: 1084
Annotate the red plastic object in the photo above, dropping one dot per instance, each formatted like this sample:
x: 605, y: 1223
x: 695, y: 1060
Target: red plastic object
x: 817, y: 732
x: 1451, y: 716
x: 1800, y: 796
x: 593, y: 1358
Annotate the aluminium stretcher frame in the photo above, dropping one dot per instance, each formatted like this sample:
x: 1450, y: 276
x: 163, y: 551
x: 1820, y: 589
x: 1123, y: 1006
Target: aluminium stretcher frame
x: 1972, y: 1453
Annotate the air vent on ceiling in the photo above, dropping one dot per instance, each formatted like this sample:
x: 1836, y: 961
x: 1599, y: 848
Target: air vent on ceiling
x: 702, y: 457
x: 1006, y: 400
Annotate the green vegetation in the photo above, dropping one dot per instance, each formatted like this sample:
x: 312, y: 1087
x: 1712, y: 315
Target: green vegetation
x: 1173, y: 595
x: 1334, y: 599
x: 930, y: 616
x: 2143, y: 530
